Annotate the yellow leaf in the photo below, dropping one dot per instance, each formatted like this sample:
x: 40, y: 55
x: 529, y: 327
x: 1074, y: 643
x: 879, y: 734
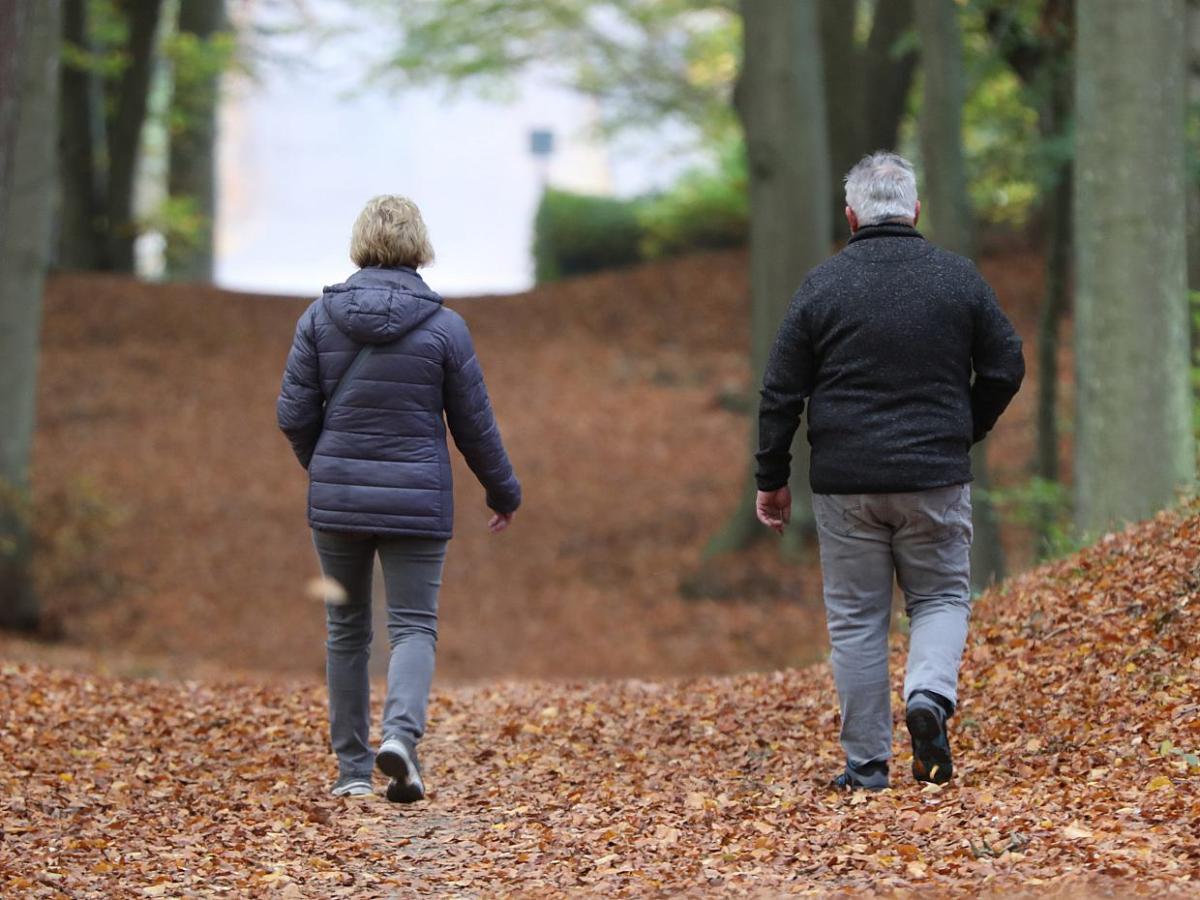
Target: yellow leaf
x: 1157, y: 784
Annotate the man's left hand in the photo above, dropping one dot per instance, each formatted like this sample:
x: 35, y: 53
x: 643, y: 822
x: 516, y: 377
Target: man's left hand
x: 774, y: 508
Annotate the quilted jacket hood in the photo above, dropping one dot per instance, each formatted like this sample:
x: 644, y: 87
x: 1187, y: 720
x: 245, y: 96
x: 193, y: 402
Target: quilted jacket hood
x: 378, y: 306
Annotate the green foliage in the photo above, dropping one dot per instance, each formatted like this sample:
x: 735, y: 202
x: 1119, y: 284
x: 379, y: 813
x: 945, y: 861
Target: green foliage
x: 107, y: 36
x: 71, y: 568
x: 578, y: 233
x: 179, y: 222
x: 706, y: 208
x: 647, y: 59
x: 195, y: 63
x: 1038, y: 503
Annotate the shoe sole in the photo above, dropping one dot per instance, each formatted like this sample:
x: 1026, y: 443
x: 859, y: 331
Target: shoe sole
x: 406, y: 786
x: 931, y: 763
x: 358, y: 789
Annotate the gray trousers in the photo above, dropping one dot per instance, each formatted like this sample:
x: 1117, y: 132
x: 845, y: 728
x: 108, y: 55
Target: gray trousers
x: 412, y: 574
x: 924, y: 539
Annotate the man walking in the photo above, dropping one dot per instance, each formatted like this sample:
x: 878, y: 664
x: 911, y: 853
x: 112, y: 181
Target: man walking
x: 881, y: 341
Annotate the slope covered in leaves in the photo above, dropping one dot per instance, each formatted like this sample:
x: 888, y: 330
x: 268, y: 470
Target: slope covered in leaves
x: 170, y: 496
x: 1075, y: 746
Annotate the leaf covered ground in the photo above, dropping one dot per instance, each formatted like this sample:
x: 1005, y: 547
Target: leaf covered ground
x: 615, y: 393
x: 1076, y: 771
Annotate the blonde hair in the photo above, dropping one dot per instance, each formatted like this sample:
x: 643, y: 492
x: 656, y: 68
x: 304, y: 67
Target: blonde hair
x: 390, y: 232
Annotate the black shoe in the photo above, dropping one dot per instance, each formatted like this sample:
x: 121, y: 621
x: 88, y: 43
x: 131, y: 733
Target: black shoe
x: 872, y: 776
x: 926, y: 720
x: 398, y: 760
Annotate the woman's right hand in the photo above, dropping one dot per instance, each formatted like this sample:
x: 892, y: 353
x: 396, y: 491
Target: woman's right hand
x: 500, y: 521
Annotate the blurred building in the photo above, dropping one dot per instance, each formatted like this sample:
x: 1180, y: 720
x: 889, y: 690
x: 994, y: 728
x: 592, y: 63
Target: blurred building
x: 305, y: 143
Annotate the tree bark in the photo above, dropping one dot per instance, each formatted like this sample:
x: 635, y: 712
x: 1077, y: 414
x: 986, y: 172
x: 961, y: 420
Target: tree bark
x: 81, y: 243
x: 781, y: 102
x: 844, y: 91
x: 15, y: 13
x: 1134, y: 446
x: 889, y: 75
x: 191, y: 167
x: 125, y: 129
x: 866, y: 88
x: 946, y: 198
x: 25, y: 217
x: 1057, y: 223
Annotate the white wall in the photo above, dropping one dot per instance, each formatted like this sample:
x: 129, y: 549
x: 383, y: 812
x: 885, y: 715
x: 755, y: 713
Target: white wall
x: 305, y: 145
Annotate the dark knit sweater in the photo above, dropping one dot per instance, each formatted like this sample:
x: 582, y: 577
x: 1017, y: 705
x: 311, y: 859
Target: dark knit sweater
x: 881, y: 340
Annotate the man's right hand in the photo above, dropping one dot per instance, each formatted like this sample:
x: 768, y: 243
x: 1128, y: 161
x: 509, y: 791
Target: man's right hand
x: 774, y: 508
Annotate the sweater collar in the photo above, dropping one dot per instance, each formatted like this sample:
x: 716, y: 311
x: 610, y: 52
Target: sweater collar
x: 885, y: 229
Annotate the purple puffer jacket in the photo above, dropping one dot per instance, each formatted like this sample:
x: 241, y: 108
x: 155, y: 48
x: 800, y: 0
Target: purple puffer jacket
x: 379, y: 463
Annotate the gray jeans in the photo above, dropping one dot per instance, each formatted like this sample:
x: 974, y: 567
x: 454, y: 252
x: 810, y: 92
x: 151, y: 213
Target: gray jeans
x: 412, y: 574
x: 924, y: 538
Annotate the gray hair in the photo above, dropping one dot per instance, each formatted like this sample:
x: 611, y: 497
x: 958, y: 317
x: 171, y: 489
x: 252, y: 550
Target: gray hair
x: 881, y: 186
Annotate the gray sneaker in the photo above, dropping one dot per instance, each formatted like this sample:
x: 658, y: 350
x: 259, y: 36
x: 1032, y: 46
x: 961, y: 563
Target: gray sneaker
x: 397, y: 759
x: 352, y: 786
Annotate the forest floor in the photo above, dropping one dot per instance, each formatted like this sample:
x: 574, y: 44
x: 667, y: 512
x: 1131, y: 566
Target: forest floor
x: 1076, y: 772
x: 173, y: 512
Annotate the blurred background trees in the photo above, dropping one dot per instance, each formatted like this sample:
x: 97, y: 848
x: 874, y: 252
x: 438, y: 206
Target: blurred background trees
x: 771, y: 103
x: 115, y: 52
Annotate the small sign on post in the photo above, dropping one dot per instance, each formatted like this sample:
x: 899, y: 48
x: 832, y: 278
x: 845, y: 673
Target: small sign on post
x: 541, y: 148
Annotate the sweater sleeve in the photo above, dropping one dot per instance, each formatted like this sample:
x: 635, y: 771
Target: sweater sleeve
x: 997, y: 360
x: 300, y: 408
x: 787, y: 383
x: 473, y: 424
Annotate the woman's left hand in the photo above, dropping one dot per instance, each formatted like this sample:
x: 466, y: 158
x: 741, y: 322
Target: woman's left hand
x: 500, y: 521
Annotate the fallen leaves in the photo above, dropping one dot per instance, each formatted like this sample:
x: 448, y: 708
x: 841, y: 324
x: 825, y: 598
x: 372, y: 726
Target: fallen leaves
x: 1072, y: 772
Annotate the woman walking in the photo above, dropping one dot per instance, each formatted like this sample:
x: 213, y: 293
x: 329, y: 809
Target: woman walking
x: 377, y: 370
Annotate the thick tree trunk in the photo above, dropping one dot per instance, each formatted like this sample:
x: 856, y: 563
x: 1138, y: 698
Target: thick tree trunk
x: 844, y: 90
x: 1133, y: 439
x: 1192, y: 13
x: 81, y: 243
x: 15, y: 15
x: 24, y: 247
x: 1050, y: 316
x: 125, y: 129
x: 949, y: 211
x: 781, y: 102
x: 191, y: 168
x: 889, y: 74
x: 866, y: 88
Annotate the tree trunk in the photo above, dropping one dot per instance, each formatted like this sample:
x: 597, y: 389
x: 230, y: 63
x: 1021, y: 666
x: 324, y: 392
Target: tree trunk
x: 1057, y: 225
x: 866, y: 89
x: 946, y: 198
x: 1134, y: 446
x: 81, y: 243
x: 1192, y: 13
x: 781, y: 102
x: 889, y: 74
x: 15, y: 13
x: 125, y: 129
x: 191, y: 167
x: 844, y: 89
x: 24, y: 248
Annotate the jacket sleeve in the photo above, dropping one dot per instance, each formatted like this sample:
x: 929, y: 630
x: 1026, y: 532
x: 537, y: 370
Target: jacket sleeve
x: 472, y: 423
x: 787, y: 383
x: 300, y: 409
x: 997, y: 360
